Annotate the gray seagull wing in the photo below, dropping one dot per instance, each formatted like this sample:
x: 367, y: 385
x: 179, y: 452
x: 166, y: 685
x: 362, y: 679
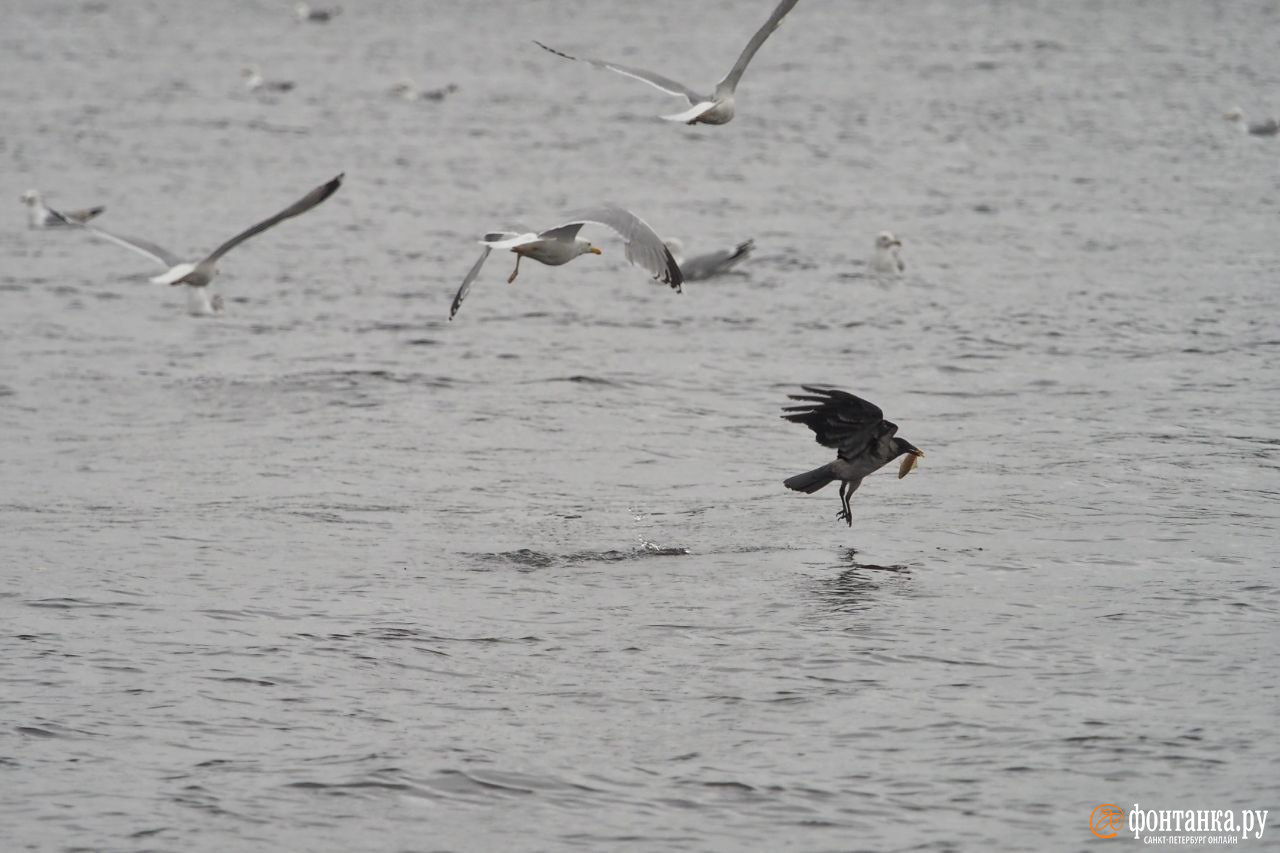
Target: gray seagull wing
x: 644, y: 247
x: 730, y: 82
x: 300, y: 206
x: 562, y: 232
x: 714, y: 263
x: 161, y: 256
x: 84, y: 214
x: 466, y: 282
x: 503, y: 239
x: 666, y: 84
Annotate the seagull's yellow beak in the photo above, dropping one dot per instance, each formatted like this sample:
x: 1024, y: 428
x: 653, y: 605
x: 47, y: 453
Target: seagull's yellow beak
x: 595, y: 251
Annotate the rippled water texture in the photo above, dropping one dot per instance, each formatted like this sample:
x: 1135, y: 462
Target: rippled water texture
x: 332, y: 573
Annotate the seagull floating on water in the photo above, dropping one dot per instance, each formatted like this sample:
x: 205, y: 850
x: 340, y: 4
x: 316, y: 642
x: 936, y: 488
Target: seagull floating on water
x: 857, y: 430
x: 710, y: 264
x: 407, y: 90
x: 561, y: 244
x: 1267, y: 127
x: 886, y: 261
x: 255, y: 82
x: 198, y: 275
x: 40, y: 216
x: 703, y: 109
x: 307, y: 12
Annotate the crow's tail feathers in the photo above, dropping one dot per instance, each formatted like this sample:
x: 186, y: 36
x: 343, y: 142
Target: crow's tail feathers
x: 810, y: 481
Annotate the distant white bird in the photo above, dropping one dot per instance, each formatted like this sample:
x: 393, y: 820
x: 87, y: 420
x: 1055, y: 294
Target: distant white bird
x: 1267, y: 127
x: 198, y: 275
x: 306, y: 12
x: 886, y: 261
x: 40, y: 216
x: 559, y: 245
x: 255, y: 82
x: 703, y: 109
x: 408, y: 90
x: 710, y: 264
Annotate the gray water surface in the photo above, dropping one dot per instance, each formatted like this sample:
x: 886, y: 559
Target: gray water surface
x: 330, y: 572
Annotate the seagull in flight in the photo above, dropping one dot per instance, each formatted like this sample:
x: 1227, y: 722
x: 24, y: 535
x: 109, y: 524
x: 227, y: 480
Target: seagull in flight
x: 561, y: 244
x: 710, y: 264
x: 197, y: 275
x: 864, y: 442
x: 40, y: 216
x: 703, y: 109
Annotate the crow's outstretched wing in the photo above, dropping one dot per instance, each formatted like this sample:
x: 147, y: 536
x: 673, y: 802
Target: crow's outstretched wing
x: 839, y: 420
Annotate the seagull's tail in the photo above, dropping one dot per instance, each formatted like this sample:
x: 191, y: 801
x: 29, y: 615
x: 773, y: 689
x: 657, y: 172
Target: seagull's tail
x: 690, y: 115
x: 810, y: 481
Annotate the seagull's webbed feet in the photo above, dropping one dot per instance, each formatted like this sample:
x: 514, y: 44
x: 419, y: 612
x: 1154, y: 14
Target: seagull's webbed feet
x: 515, y: 272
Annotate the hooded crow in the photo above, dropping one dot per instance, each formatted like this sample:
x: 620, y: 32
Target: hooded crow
x: 857, y: 430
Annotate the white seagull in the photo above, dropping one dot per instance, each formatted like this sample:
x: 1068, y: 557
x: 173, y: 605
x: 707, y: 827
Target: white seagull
x: 559, y: 245
x: 40, y: 216
x: 198, y: 275
x: 886, y: 260
x: 703, y: 109
x: 710, y: 264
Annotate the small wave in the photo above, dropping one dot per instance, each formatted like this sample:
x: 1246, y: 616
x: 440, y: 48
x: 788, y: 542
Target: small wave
x: 729, y: 784
x: 523, y: 557
x: 335, y: 379
x: 272, y: 127
x: 491, y: 782
x: 531, y: 559
x: 78, y: 604
x: 339, y: 788
x: 50, y: 730
x: 35, y: 731
x: 458, y: 781
x: 647, y: 549
x: 414, y: 635
x: 240, y: 679
x: 585, y: 380
x: 386, y: 326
